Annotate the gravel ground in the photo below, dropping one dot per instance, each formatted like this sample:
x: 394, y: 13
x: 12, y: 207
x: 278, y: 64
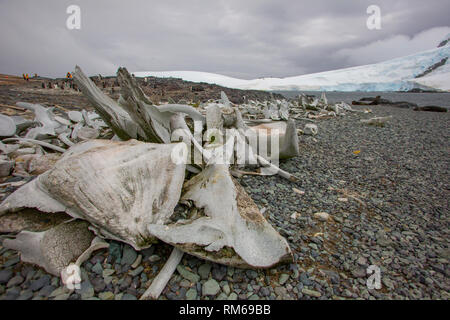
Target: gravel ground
x: 387, y: 206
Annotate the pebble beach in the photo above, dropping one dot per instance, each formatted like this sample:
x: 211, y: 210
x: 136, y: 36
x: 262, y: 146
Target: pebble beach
x: 366, y: 196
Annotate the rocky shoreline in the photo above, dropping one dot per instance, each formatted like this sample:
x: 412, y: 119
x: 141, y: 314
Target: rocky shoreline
x: 385, y: 191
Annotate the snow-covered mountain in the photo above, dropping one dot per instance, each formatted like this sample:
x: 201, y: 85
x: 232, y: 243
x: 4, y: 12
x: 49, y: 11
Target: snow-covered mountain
x: 425, y: 70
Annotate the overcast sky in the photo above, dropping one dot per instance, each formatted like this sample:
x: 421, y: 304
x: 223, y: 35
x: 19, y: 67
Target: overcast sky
x: 239, y: 38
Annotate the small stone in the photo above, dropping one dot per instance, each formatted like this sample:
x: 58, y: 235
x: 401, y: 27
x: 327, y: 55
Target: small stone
x: 46, y: 291
x: 218, y: 273
x: 63, y: 296
x: 25, y: 295
x: 154, y: 258
x: 59, y: 291
x: 108, y: 272
x: 222, y: 296
x: 5, y: 276
x: 115, y: 251
x: 204, y: 270
x: 311, y: 293
x: 283, y: 278
x: 137, y: 271
x: 233, y: 296
x: 108, y: 295
x: 187, y: 274
x: 210, y: 288
x: 226, y: 289
x: 362, y: 261
x: 129, y: 255
x: 128, y: 296
x: 14, y: 281
x: 322, y: 216
x: 86, y: 290
x: 191, y: 294
x: 97, y: 268
x: 253, y: 297
x: 252, y: 274
x: 40, y: 283
x: 137, y: 262
x: 12, y: 261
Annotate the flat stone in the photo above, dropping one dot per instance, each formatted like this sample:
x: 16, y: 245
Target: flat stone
x: 283, y: 278
x: 210, y: 288
x: 252, y: 274
x: 226, y: 289
x: 204, y: 270
x: 11, y: 262
x: 137, y: 271
x: 191, y: 294
x: 59, y: 291
x: 128, y: 296
x: 322, y: 216
x: 97, y: 268
x: 108, y: 272
x: 63, y: 296
x: 187, y: 274
x: 40, y: 283
x: 5, y: 276
x: 219, y: 273
x: 115, y: 251
x: 26, y: 295
x: 222, y: 296
x: 311, y: 293
x: 86, y: 290
x: 154, y: 258
x: 129, y: 255
x: 14, y: 281
x: 46, y: 291
x: 108, y: 295
x: 233, y: 296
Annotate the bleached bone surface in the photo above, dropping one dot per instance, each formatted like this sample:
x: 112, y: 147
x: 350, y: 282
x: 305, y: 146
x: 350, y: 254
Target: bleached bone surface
x: 310, y: 129
x: 7, y: 126
x: 119, y: 187
x: 288, y: 138
x: 55, y: 248
x: 233, y: 232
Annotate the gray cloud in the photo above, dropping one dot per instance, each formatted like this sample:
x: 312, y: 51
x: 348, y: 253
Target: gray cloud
x: 246, y: 39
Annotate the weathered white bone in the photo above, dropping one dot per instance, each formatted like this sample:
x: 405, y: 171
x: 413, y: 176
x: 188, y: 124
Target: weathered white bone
x: 116, y: 118
x: 55, y: 248
x: 119, y: 187
x: 310, y: 129
x: 38, y: 142
x: 377, y: 120
x: 87, y: 133
x: 75, y: 116
x: 50, y: 127
x: 7, y: 126
x: 163, y: 277
x: 233, y: 232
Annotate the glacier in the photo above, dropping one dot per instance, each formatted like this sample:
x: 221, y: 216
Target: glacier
x: 393, y: 75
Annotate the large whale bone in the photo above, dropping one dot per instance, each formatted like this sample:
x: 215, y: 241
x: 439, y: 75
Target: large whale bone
x: 119, y: 187
x: 114, y: 116
x: 232, y: 231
